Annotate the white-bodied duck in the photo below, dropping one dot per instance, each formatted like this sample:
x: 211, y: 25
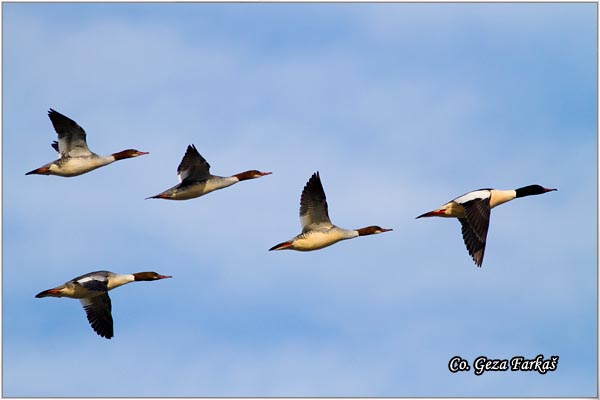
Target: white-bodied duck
x: 196, y: 179
x: 317, y: 230
x: 75, y: 156
x: 92, y: 290
x: 473, y: 212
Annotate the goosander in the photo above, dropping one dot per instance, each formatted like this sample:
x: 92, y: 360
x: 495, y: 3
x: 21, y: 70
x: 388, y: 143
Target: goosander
x: 92, y: 291
x: 473, y: 213
x: 317, y: 230
x: 196, y: 180
x: 75, y: 158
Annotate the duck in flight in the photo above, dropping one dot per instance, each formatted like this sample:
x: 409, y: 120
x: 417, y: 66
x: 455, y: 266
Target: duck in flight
x: 196, y: 180
x: 473, y: 213
x: 92, y: 291
x: 75, y: 158
x: 317, y: 230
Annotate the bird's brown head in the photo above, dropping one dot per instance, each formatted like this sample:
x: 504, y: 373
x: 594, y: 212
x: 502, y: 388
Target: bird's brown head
x: 149, y: 276
x: 129, y: 153
x: 372, y: 230
x: 252, y: 174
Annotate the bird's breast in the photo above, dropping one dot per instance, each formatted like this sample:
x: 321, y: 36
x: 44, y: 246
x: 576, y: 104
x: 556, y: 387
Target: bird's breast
x: 501, y: 196
x: 74, y: 166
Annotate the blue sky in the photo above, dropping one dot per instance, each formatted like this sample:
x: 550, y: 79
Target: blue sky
x: 401, y: 107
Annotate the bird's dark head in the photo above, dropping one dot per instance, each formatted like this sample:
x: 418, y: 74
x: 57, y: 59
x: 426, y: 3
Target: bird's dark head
x: 531, y: 190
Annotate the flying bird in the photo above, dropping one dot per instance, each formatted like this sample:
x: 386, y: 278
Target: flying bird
x: 75, y: 158
x: 473, y: 213
x: 196, y: 180
x: 92, y: 291
x: 317, y: 230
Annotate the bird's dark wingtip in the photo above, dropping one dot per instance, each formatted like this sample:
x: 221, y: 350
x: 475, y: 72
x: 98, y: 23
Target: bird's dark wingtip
x: 478, y: 259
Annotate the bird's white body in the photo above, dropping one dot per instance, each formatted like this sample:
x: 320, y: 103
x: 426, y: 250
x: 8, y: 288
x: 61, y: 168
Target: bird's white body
x: 455, y: 209
x: 319, y: 238
x: 74, y: 166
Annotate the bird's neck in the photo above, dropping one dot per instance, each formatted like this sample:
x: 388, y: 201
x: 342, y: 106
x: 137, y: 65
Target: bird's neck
x: 119, y: 280
x: 501, y: 196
